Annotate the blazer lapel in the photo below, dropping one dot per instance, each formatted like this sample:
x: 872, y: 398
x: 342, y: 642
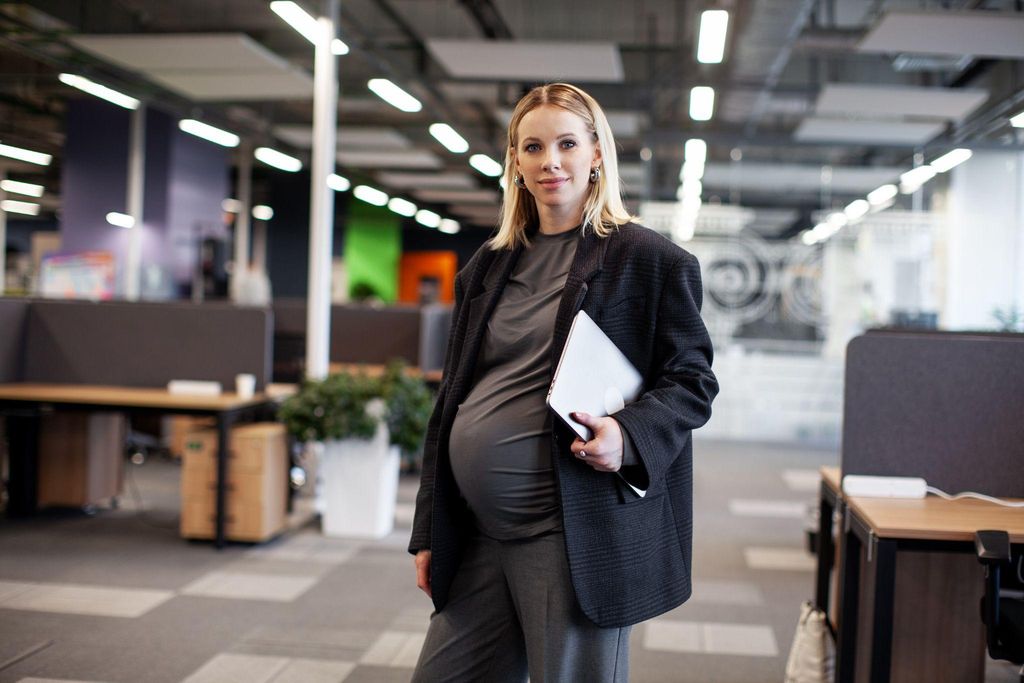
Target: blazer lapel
x: 585, y: 265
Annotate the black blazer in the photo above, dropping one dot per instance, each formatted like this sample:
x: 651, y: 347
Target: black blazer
x: 629, y: 556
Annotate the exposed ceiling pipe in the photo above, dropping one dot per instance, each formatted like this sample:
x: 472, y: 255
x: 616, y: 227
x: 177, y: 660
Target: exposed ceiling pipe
x: 488, y: 18
x: 777, y: 67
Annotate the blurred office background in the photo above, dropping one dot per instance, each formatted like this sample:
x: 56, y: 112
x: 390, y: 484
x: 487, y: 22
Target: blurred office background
x: 836, y: 165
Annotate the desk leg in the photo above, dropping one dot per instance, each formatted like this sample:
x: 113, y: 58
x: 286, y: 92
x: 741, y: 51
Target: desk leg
x: 23, y: 456
x: 224, y: 422
x: 849, y: 597
x: 826, y: 551
x: 881, y: 627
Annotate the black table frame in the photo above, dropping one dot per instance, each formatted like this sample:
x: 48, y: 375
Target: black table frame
x: 23, y: 422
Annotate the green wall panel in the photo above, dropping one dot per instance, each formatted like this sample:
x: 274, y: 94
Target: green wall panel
x: 373, y: 249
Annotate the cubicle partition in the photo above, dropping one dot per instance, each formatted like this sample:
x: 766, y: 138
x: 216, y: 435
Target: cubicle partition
x: 139, y: 344
x: 363, y: 334
x: 13, y: 313
x: 944, y: 406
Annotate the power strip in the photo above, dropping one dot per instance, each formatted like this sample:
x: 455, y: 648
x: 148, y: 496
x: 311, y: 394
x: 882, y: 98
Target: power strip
x: 884, y: 487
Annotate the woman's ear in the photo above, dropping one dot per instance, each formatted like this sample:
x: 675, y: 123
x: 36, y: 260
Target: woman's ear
x: 597, y: 155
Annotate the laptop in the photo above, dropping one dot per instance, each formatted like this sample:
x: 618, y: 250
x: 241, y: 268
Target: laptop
x: 593, y: 376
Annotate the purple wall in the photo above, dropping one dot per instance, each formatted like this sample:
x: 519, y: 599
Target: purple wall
x: 185, y: 181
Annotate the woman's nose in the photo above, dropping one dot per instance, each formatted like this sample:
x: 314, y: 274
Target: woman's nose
x: 551, y: 161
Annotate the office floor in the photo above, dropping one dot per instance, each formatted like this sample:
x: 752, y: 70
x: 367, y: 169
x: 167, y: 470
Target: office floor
x: 118, y: 597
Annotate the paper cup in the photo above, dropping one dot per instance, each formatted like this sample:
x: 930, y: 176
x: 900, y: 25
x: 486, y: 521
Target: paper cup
x: 245, y: 385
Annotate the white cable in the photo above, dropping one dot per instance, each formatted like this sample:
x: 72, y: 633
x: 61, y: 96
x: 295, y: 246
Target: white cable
x: 972, y: 494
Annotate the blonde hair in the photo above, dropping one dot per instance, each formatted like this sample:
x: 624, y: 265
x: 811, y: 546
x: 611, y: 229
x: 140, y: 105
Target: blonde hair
x: 603, y: 210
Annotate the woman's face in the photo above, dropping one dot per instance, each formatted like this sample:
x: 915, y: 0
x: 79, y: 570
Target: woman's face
x: 554, y: 156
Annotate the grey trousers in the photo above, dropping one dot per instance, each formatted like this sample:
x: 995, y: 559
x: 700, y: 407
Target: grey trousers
x: 513, y: 613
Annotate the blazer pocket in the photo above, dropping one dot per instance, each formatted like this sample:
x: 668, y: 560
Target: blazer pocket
x: 620, y: 307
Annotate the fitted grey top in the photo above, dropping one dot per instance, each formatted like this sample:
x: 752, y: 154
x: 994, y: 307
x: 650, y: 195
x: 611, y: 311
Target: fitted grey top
x: 500, y: 443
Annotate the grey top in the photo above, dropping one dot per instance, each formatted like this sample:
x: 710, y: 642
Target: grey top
x: 500, y: 443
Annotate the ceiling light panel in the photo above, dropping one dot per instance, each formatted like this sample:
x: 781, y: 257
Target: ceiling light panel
x: 419, y: 181
x: 895, y: 133
x: 388, y: 159
x: 880, y: 101
x: 797, y: 177
x: 352, y: 137
x: 203, y: 67
x: 979, y: 33
x: 529, y: 60
x: 489, y: 198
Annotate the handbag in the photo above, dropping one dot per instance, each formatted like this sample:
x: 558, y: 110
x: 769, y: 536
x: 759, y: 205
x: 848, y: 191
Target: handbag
x: 812, y: 658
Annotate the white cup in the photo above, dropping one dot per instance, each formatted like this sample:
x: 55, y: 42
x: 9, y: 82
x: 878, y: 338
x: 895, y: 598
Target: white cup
x: 245, y: 385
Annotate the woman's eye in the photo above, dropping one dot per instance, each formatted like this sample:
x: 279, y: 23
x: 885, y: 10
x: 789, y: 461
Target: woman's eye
x: 569, y: 144
x: 532, y: 147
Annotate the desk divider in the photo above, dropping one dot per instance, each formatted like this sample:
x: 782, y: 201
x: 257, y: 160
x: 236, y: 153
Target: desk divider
x: 948, y: 407
x: 145, y: 344
x: 13, y: 314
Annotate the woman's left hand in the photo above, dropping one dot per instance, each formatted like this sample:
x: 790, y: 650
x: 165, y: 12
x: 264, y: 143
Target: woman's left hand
x: 604, y: 451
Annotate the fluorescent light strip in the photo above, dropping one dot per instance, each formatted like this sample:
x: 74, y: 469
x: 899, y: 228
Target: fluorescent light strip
x: 837, y: 219
x: 485, y: 165
x: 449, y: 226
x: 428, y: 219
x: 13, y: 206
x: 882, y: 195
x: 272, y: 157
x: 403, y: 207
x: 370, y: 195
x: 695, y: 150
x: 856, y: 209
x: 100, y: 91
x: 298, y: 18
x: 447, y: 136
x: 691, y: 170
x: 230, y: 205
x: 28, y: 189
x: 913, y: 179
x: 338, y: 183
x: 1018, y: 120
x: 25, y: 155
x: 339, y: 47
x: 702, y: 103
x: 120, y: 220
x: 951, y: 159
x: 262, y: 212
x: 393, y: 95
x: 208, y: 132
x: 714, y: 24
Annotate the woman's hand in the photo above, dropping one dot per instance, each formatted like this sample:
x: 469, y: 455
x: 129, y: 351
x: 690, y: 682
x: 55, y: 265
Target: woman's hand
x: 423, y: 571
x: 604, y: 451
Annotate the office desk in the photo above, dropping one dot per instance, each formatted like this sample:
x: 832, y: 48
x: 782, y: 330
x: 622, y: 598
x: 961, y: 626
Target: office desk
x: 886, y: 527
x: 22, y: 402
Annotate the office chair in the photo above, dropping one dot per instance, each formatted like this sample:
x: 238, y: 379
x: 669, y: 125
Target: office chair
x: 1002, y: 608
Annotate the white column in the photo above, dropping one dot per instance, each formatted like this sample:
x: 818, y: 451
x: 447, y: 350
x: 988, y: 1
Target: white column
x: 985, y: 258
x: 321, y: 215
x: 136, y: 184
x: 3, y: 237
x: 244, y: 190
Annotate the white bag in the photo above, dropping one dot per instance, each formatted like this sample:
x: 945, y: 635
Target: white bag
x: 812, y: 659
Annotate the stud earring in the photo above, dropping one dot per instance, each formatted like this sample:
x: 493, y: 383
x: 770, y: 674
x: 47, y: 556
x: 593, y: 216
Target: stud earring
x: 595, y: 174
x: 519, y: 182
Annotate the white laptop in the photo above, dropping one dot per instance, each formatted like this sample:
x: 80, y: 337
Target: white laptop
x: 592, y: 376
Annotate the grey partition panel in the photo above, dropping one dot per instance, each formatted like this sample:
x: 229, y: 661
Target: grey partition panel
x: 13, y: 315
x: 362, y: 334
x: 435, y: 323
x: 290, y: 316
x: 945, y: 407
x: 146, y: 344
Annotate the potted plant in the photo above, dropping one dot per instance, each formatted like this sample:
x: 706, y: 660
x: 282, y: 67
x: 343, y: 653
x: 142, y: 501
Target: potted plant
x: 350, y: 414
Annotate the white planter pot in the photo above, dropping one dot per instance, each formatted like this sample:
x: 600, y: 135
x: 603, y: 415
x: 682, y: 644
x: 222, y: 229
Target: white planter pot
x: 360, y: 486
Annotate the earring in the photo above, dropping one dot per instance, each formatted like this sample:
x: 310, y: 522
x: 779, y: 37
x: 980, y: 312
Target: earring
x: 595, y: 174
x: 519, y: 182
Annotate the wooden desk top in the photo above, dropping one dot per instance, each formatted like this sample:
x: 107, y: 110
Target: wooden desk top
x: 936, y: 519
x: 830, y: 475
x: 140, y: 397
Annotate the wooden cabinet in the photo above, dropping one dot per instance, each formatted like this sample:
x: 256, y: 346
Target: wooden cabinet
x: 256, y: 483
x: 81, y: 458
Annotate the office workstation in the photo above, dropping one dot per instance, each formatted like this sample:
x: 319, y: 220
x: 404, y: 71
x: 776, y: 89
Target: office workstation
x: 229, y: 236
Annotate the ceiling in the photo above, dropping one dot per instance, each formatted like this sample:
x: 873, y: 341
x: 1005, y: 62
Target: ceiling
x: 854, y: 87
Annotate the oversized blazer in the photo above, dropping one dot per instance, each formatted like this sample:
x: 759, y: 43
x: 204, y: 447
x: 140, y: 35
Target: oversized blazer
x: 629, y: 556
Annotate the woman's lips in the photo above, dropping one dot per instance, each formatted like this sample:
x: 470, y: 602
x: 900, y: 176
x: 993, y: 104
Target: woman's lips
x: 553, y: 184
